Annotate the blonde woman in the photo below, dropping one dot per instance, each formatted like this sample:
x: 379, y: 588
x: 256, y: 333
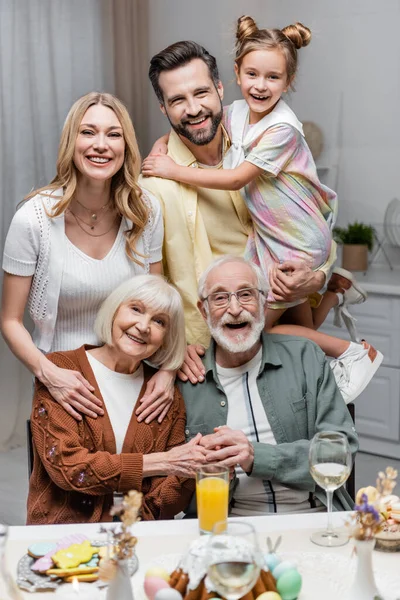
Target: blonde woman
x: 81, y: 469
x: 75, y: 240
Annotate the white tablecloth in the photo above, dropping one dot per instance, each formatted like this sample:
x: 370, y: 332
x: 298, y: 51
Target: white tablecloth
x: 161, y: 538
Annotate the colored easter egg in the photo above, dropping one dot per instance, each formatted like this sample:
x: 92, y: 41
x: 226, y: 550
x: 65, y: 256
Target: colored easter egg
x: 271, y: 560
x: 168, y: 594
x: 152, y: 585
x: 269, y: 596
x: 285, y: 565
x: 157, y: 572
x: 289, y: 584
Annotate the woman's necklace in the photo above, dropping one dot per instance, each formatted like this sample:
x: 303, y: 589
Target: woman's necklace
x: 93, y: 215
x: 88, y: 233
x: 93, y: 224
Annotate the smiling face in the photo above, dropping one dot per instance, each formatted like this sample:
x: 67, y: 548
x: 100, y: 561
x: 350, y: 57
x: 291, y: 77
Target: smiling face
x: 192, y: 103
x: 262, y: 77
x: 236, y: 328
x: 100, y: 146
x: 138, y: 331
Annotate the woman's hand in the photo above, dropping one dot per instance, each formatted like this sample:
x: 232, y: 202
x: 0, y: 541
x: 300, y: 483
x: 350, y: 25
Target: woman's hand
x: 158, y: 397
x: 159, y: 165
x: 71, y: 390
x: 183, y: 461
x: 193, y: 368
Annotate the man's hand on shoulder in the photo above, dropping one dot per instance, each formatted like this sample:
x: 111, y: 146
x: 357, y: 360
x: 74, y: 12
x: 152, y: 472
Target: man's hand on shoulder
x: 193, y: 368
x: 229, y: 447
x: 293, y: 280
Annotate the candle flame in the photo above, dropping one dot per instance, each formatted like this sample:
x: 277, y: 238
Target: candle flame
x: 75, y: 584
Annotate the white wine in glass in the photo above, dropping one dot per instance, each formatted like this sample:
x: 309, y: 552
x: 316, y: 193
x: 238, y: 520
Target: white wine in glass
x: 233, y: 559
x: 330, y: 466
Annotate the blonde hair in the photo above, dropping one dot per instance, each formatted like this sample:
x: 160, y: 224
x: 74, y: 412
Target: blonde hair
x: 156, y: 293
x: 126, y: 194
x: 288, y: 40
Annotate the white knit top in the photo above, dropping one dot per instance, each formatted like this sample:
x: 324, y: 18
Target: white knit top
x: 68, y: 286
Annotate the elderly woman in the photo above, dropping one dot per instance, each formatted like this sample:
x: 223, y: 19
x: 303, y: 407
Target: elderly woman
x: 79, y: 467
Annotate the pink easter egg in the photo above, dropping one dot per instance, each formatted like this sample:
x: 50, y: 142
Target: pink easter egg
x: 152, y: 585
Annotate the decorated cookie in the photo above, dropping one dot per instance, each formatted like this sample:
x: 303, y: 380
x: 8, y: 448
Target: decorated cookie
x: 39, y: 549
x: 80, y: 570
x: 93, y: 562
x: 88, y: 578
x: 45, y: 562
x: 74, y: 555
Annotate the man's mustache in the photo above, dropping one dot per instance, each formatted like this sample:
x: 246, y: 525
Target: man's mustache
x: 227, y: 319
x: 200, y: 116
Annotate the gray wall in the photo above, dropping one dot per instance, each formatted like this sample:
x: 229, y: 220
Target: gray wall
x: 348, y: 82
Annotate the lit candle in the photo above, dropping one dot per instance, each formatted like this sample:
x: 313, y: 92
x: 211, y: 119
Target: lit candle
x: 77, y: 591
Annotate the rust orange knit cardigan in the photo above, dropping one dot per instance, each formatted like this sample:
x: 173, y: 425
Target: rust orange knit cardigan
x: 76, y: 468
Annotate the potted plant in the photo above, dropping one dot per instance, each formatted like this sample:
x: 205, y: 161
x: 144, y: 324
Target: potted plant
x: 357, y: 239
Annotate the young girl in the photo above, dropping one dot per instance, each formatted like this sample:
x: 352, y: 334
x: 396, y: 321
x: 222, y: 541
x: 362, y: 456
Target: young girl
x: 292, y: 211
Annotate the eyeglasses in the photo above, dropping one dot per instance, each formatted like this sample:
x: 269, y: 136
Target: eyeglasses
x: 244, y: 296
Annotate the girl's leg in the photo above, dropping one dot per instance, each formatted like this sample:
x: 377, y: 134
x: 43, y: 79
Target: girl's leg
x: 301, y: 314
x: 301, y: 324
x: 330, y: 345
x: 329, y: 301
x: 272, y: 316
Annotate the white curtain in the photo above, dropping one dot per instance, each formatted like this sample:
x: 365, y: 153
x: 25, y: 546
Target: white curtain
x: 51, y: 52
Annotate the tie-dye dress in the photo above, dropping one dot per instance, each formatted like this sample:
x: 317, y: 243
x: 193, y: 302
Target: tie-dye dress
x: 292, y: 211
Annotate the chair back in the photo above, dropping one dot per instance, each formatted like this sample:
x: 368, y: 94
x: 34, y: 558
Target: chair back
x: 29, y: 445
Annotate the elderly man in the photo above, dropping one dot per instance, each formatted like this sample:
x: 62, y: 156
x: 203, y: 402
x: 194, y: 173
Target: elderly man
x: 263, y: 399
x: 202, y: 224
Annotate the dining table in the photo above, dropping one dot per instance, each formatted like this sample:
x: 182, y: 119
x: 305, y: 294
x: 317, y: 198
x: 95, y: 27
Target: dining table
x: 327, y: 572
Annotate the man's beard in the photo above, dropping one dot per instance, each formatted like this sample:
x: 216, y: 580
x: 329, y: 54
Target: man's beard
x: 240, y: 343
x: 200, y: 137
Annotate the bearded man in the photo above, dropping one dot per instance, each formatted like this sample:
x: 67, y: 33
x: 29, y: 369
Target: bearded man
x: 263, y: 398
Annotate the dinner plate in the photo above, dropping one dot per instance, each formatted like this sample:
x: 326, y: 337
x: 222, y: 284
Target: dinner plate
x: 325, y: 575
x: 31, y: 581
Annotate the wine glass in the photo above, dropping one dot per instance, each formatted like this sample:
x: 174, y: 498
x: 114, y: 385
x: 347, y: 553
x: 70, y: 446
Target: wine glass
x: 330, y: 465
x: 233, y: 558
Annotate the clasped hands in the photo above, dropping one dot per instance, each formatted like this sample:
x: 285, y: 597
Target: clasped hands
x: 225, y: 447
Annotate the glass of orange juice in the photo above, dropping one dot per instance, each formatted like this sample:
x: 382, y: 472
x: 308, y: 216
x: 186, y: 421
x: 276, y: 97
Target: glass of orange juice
x: 212, y: 493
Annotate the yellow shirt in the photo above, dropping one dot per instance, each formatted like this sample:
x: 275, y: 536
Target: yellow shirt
x: 192, y: 234
x: 216, y: 207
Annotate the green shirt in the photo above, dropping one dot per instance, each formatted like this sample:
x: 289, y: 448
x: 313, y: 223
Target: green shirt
x: 300, y: 398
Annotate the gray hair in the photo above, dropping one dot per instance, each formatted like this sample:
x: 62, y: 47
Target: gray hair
x: 159, y: 295
x: 262, y: 283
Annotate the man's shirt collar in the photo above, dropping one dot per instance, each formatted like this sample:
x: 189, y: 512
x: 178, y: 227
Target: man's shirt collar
x: 269, y: 358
